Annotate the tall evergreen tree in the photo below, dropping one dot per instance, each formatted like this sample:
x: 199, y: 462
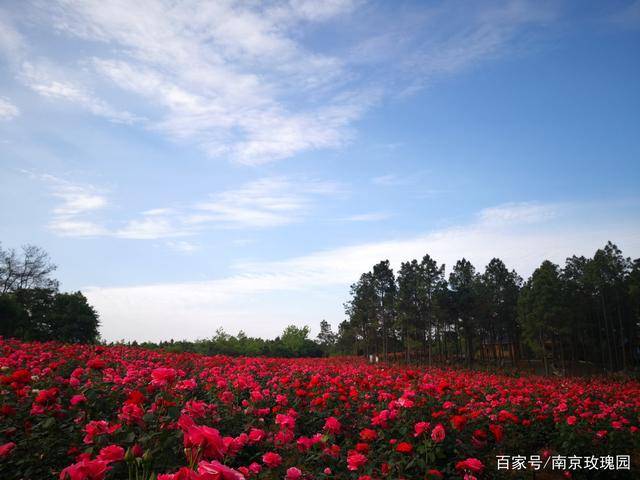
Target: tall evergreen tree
x: 409, y: 306
x: 463, y: 282
x: 385, y: 290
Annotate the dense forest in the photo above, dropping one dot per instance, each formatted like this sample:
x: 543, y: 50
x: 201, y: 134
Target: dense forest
x: 587, y: 312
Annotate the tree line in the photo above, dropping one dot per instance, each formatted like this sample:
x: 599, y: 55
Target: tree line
x: 584, y: 313
x: 32, y: 308
x: 292, y: 342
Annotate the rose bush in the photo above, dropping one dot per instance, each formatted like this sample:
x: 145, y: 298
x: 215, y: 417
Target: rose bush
x: 78, y: 412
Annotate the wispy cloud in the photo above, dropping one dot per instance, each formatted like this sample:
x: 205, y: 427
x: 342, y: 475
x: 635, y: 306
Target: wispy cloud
x: 245, y: 80
x: 267, y: 202
x: 510, y: 213
x: 223, y: 72
x: 151, y: 227
x: 12, y: 43
x: 393, y: 180
x: 628, y: 16
x: 465, y: 35
x: 8, y: 110
x: 183, y: 246
x: 368, y: 217
x: 71, y: 227
x: 43, y: 81
x: 76, y: 201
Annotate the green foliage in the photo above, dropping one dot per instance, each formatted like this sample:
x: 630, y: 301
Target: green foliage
x: 44, y: 314
x: 293, y: 342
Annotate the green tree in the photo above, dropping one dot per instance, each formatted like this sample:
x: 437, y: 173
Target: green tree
x: 362, y: 312
x: 326, y: 338
x: 463, y: 282
x: 385, y: 291
x: 293, y: 339
x: 430, y: 281
x: 38, y: 306
x: 542, y: 309
x: 346, y: 342
x: 610, y: 270
x: 409, y: 306
x: 12, y: 316
x: 499, y: 291
x: 72, y: 319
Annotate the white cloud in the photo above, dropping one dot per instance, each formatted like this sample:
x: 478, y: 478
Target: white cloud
x: 245, y: 80
x: 150, y: 228
x: 8, y: 110
x: 518, y: 212
x: 389, y: 180
x: 368, y: 217
x: 268, y: 202
x: 69, y: 227
x: 265, y: 203
x: 76, y: 202
x: 43, y: 81
x: 76, y: 199
x: 263, y: 297
x: 221, y: 71
x: 183, y: 246
x: 12, y: 44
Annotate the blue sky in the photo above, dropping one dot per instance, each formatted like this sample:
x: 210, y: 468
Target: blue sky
x: 191, y: 165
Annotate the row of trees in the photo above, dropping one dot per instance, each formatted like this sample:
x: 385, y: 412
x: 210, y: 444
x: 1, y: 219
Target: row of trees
x: 588, y: 311
x: 32, y: 308
x: 293, y: 342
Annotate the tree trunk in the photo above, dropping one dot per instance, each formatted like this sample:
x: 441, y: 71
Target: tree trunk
x: 606, y: 328
x: 544, y: 354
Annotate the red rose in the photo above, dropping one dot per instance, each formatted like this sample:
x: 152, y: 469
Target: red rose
x: 6, y: 449
x: 438, y: 434
x: 163, y: 376
x: 497, y: 431
x: 332, y: 425
x: 458, y: 422
x: 216, y: 471
x: 206, y: 440
x: 355, y: 460
x: 368, y: 435
x: 112, y: 453
x: 404, y: 447
x: 272, y: 459
x: 293, y: 473
x: 85, y: 470
x: 471, y: 464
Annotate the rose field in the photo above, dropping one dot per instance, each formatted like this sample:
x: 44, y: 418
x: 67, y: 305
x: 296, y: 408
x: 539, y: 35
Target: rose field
x: 90, y: 412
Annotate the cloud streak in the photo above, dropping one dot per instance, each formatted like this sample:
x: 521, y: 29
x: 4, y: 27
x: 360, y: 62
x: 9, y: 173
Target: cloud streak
x: 77, y: 201
x: 42, y: 80
x: 8, y: 110
x: 264, y: 203
x: 268, y: 202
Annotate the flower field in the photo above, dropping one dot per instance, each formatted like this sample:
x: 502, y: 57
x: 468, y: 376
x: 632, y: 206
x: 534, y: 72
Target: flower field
x: 84, y: 412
